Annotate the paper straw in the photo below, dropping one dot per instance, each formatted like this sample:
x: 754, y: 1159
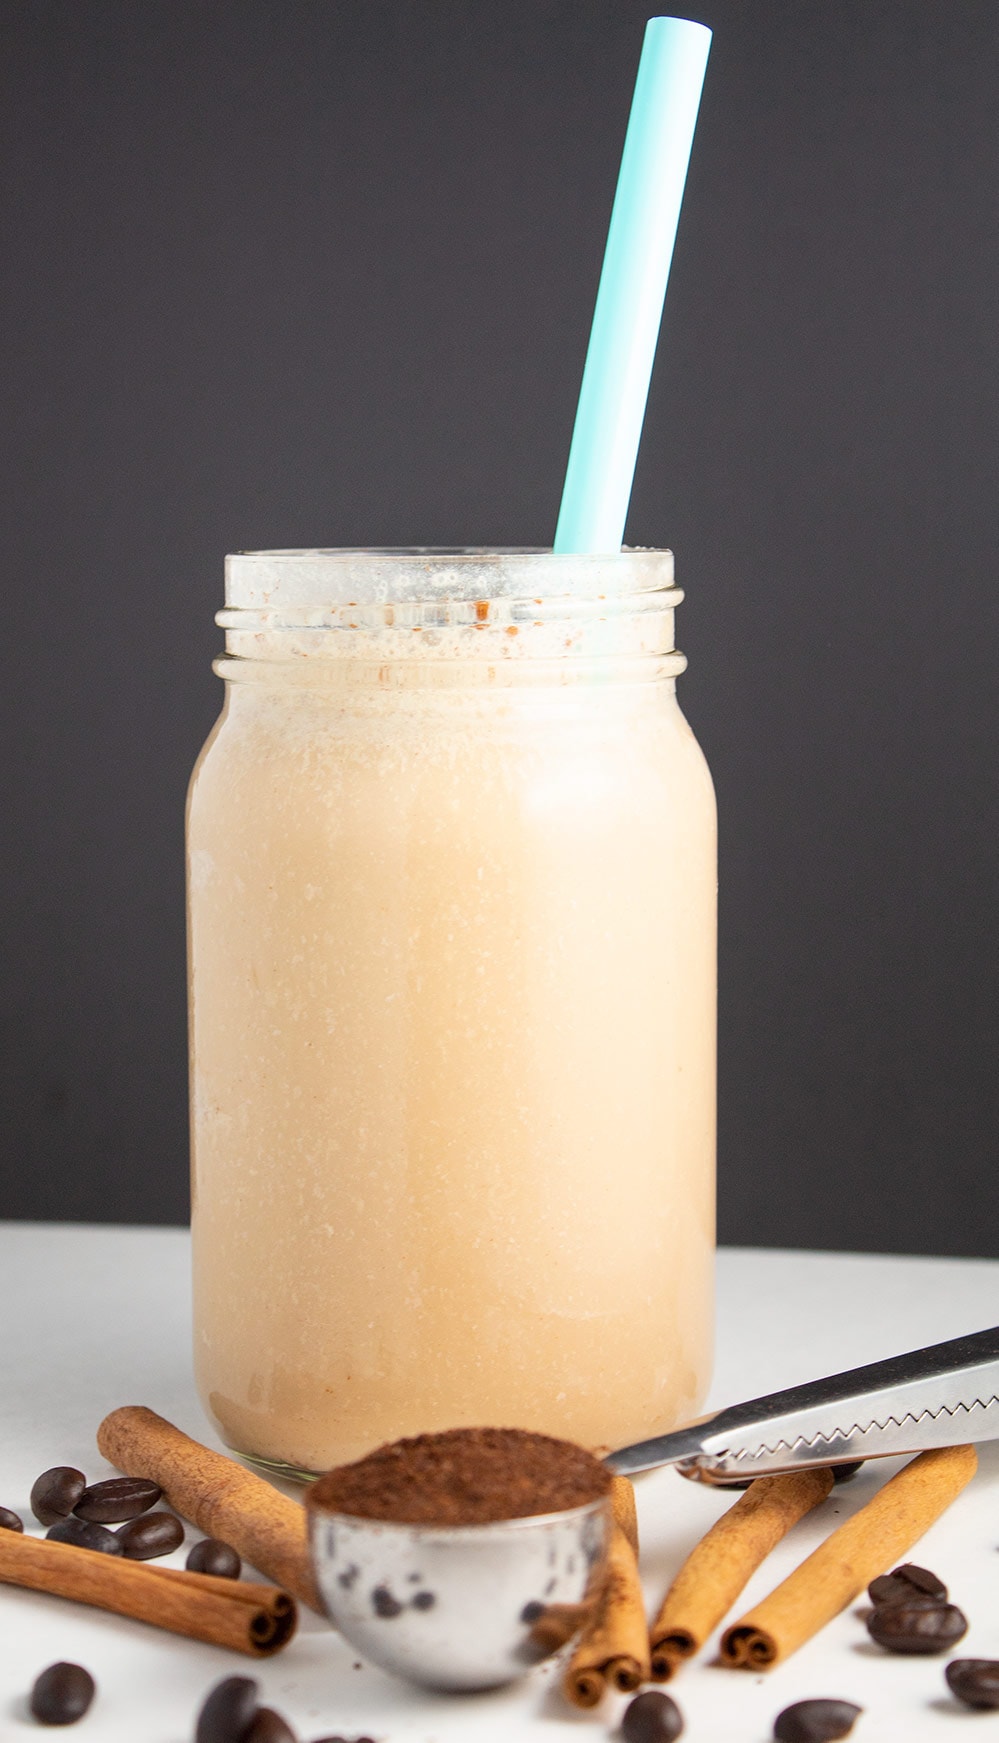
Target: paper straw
x: 632, y: 288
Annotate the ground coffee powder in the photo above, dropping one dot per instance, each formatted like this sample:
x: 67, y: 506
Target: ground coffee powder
x: 465, y: 1476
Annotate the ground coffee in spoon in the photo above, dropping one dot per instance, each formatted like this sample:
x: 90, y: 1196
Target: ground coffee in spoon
x: 465, y: 1476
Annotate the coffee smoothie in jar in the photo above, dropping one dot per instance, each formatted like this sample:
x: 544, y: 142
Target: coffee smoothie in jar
x: 452, y: 894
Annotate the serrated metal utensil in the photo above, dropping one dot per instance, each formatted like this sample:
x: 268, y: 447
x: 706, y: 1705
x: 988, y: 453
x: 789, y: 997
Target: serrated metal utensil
x: 941, y: 1396
x: 487, y: 1589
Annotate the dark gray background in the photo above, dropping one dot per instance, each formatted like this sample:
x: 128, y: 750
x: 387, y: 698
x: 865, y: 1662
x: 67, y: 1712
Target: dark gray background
x: 288, y: 272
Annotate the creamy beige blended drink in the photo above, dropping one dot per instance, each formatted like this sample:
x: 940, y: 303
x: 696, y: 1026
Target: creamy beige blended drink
x: 452, y: 951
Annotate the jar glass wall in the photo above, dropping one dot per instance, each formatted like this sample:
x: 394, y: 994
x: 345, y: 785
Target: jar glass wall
x: 452, y: 1002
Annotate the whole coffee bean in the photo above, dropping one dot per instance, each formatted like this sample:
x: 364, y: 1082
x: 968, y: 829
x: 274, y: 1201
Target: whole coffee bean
x: 815, y: 1721
x: 119, y: 1498
x: 212, y: 1556
x: 228, y: 1711
x: 907, y: 1581
x: 269, y: 1727
x: 62, y: 1694
x: 10, y: 1521
x: 85, y: 1535
x: 975, y: 1681
x: 150, y: 1535
x: 921, y: 1627
x: 843, y: 1473
x: 55, y: 1493
x: 915, y: 1601
x: 651, y: 1718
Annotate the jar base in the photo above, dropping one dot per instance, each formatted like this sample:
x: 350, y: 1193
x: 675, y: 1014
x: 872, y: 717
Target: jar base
x: 285, y: 1473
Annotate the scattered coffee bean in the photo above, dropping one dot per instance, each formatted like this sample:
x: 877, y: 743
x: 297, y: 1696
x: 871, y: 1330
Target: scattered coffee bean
x: 117, y: 1499
x: 55, y: 1493
x: 62, y: 1694
x: 10, y: 1521
x: 269, y: 1727
x: 975, y: 1681
x: 815, y: 1721
x: 907, y: 1581
x: 85, y: 1535
x: 917, y: 1626
x: 651, y: 1718
x: 227, y: 1711
x: 150, y: 1535
x: 212, y: 1556
x: 843, y: 1473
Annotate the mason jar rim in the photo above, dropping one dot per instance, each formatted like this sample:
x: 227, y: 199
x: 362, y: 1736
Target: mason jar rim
x: 375, y: 575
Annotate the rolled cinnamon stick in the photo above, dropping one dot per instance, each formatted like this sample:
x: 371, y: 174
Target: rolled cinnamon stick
x: 557, y: 1624
x: 623, y: 1508
x: 613, y: 1649
x: 216, y: 1494
x: 247, y: 1618
x: 716, y: 1571
x: 837, y: 1572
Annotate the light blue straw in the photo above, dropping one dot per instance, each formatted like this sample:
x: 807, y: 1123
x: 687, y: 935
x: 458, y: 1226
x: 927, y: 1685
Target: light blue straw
x: 632, y: 287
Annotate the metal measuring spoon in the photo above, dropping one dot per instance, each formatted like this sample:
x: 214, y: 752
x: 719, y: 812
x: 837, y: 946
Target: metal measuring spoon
x: 458, y: 1606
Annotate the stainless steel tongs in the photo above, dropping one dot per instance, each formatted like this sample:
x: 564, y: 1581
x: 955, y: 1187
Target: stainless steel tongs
x: 941, y: 1396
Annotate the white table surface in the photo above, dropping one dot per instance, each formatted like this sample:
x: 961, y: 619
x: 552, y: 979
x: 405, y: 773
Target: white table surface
x: 97, y: 1317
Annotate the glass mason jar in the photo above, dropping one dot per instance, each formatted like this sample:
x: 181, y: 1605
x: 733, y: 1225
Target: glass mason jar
x: 452, y: 897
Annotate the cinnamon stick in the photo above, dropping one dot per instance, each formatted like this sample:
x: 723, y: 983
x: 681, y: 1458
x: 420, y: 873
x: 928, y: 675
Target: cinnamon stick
x: 216, y: 1494
x: 837, y: 1572
x: 557, y: 1624
x: 613, y: 1650
x: 246, y: 1617
x: 623, y: 1508
x: 716, y: 1571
